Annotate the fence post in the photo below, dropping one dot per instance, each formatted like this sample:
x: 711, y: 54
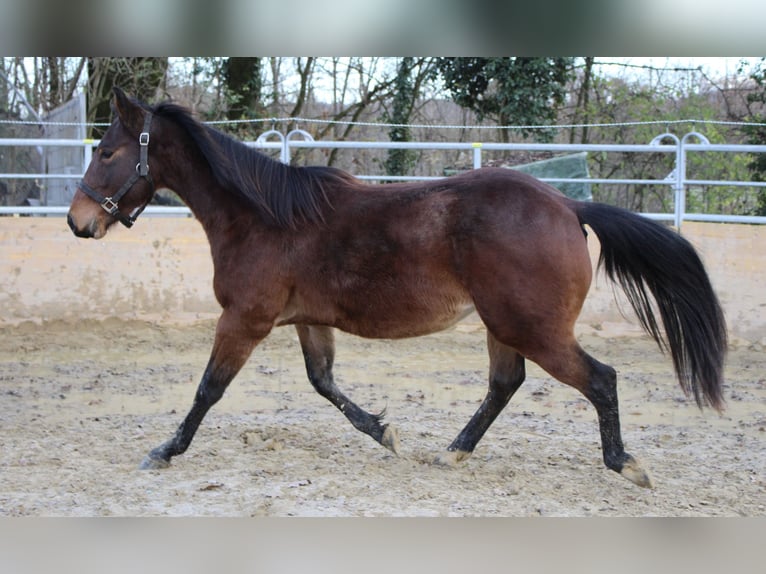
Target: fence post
x: 476, y: 155
x: 682, y: 170
x: 306, y: 137
x: 283, y: 152
x: 678, y: 175
x: 88, y: 153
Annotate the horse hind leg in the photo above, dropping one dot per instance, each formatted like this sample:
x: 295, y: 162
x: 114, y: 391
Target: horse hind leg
x: 598, y: 383
x: 318, y: 345
x: 506, y: 374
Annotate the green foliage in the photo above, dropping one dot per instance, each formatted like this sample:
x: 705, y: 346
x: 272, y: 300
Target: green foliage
x: 242, y: 77
x: 627, y: 105
x: 401, y: 161
x: 512, y: 91
x: 505, y: 91
x: 713, y: 165
x: 243, y: 91
x: 756, y: 135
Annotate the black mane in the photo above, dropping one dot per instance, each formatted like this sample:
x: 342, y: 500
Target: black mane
x: 287, y: 195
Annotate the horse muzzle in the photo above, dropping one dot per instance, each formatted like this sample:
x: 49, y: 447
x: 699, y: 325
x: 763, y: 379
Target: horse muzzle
x: 91, y: 230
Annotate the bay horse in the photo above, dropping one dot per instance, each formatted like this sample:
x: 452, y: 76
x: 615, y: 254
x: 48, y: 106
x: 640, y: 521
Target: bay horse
x: 316, y: 248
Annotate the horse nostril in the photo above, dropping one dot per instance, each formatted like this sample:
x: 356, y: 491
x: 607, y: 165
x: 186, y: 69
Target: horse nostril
x: 78, y: 232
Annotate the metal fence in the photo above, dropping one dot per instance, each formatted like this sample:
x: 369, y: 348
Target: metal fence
x: 678, y: 181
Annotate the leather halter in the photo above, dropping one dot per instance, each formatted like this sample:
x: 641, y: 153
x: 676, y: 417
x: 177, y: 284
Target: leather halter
x: 110, y: 204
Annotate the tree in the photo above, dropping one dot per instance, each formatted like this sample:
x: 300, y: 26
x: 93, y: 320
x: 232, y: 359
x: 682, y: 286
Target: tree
x: 29, y: 88
x: 373, y: 88
x: 401, y: 161
x: 631, y: 111
x: 511, y: 91
x: 244, y: 85
x: 756, y: 134
x: 45, y: 83
x: 140, y: 77
x: 582, y: 108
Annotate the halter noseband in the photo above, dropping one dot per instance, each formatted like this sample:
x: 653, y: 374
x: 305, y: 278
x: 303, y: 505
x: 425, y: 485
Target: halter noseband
x: 110, y: 204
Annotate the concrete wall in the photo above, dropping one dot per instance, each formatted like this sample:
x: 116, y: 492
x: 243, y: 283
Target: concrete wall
x: 735, y: 258
x: 161, y: 270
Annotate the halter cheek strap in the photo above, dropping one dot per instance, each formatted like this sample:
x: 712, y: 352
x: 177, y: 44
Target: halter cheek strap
x: 111, y: 204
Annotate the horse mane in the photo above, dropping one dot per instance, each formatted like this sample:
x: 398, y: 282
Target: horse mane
x: 287, y: 195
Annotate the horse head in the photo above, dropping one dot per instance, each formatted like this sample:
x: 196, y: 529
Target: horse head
x: 117, y: 185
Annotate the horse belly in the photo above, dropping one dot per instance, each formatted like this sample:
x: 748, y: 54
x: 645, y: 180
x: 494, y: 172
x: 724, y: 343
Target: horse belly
x: 377, y: 315
x: 405, y: 317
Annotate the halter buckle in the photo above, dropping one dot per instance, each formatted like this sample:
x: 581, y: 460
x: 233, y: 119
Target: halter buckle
x: 143, y: 138
x: 109, y: 205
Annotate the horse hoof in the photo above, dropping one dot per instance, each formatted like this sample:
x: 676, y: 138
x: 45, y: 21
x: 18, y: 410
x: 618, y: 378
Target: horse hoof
x: 632, y: 470
x: 390, y: 439
x: 451, y: 458
x: 152, y: 463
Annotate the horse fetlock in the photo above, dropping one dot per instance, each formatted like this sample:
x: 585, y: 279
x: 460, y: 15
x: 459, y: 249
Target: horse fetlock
x: 390, y: 439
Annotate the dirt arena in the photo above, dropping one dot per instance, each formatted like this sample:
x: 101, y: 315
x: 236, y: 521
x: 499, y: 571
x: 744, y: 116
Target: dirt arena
x: 82, y: 404
x: 99, y: 363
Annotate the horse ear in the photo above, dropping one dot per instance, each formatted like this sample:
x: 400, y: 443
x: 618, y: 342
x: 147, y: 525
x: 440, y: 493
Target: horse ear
x: 131, y: 115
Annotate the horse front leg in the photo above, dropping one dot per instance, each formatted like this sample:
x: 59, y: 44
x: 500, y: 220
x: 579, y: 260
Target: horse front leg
x: 318, y: 345
x: 234, y: 342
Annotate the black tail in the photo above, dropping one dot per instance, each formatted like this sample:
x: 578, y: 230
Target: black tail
x: 638, y: 253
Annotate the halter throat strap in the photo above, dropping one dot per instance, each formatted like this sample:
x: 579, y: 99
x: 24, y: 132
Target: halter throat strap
x: 111, y: 204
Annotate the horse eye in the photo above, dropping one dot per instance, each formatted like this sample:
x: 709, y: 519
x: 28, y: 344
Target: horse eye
x: 106, y: 154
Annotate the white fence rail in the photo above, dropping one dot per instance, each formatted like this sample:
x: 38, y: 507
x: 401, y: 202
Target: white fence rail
x: 664, y: 143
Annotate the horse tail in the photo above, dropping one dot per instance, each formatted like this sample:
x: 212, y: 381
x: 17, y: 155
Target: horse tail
x: 640, y: 255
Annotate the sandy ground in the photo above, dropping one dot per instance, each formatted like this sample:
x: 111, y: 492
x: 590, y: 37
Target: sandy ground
x: 82, y: 403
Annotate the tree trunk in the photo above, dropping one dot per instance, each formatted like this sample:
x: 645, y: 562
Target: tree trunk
x: 243, y: 82
x: 582, y: 111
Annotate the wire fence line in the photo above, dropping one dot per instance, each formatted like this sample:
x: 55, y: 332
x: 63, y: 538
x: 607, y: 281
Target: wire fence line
x: 298, y: 120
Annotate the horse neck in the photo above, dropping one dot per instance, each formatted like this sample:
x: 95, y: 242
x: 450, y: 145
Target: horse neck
x: 191, y: 179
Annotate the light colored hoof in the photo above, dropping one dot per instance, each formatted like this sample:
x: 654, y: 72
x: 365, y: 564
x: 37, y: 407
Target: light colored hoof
x: 634, y: 473
x: 390, y: 439
x: 451, y: 458
x: 151, y: 463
